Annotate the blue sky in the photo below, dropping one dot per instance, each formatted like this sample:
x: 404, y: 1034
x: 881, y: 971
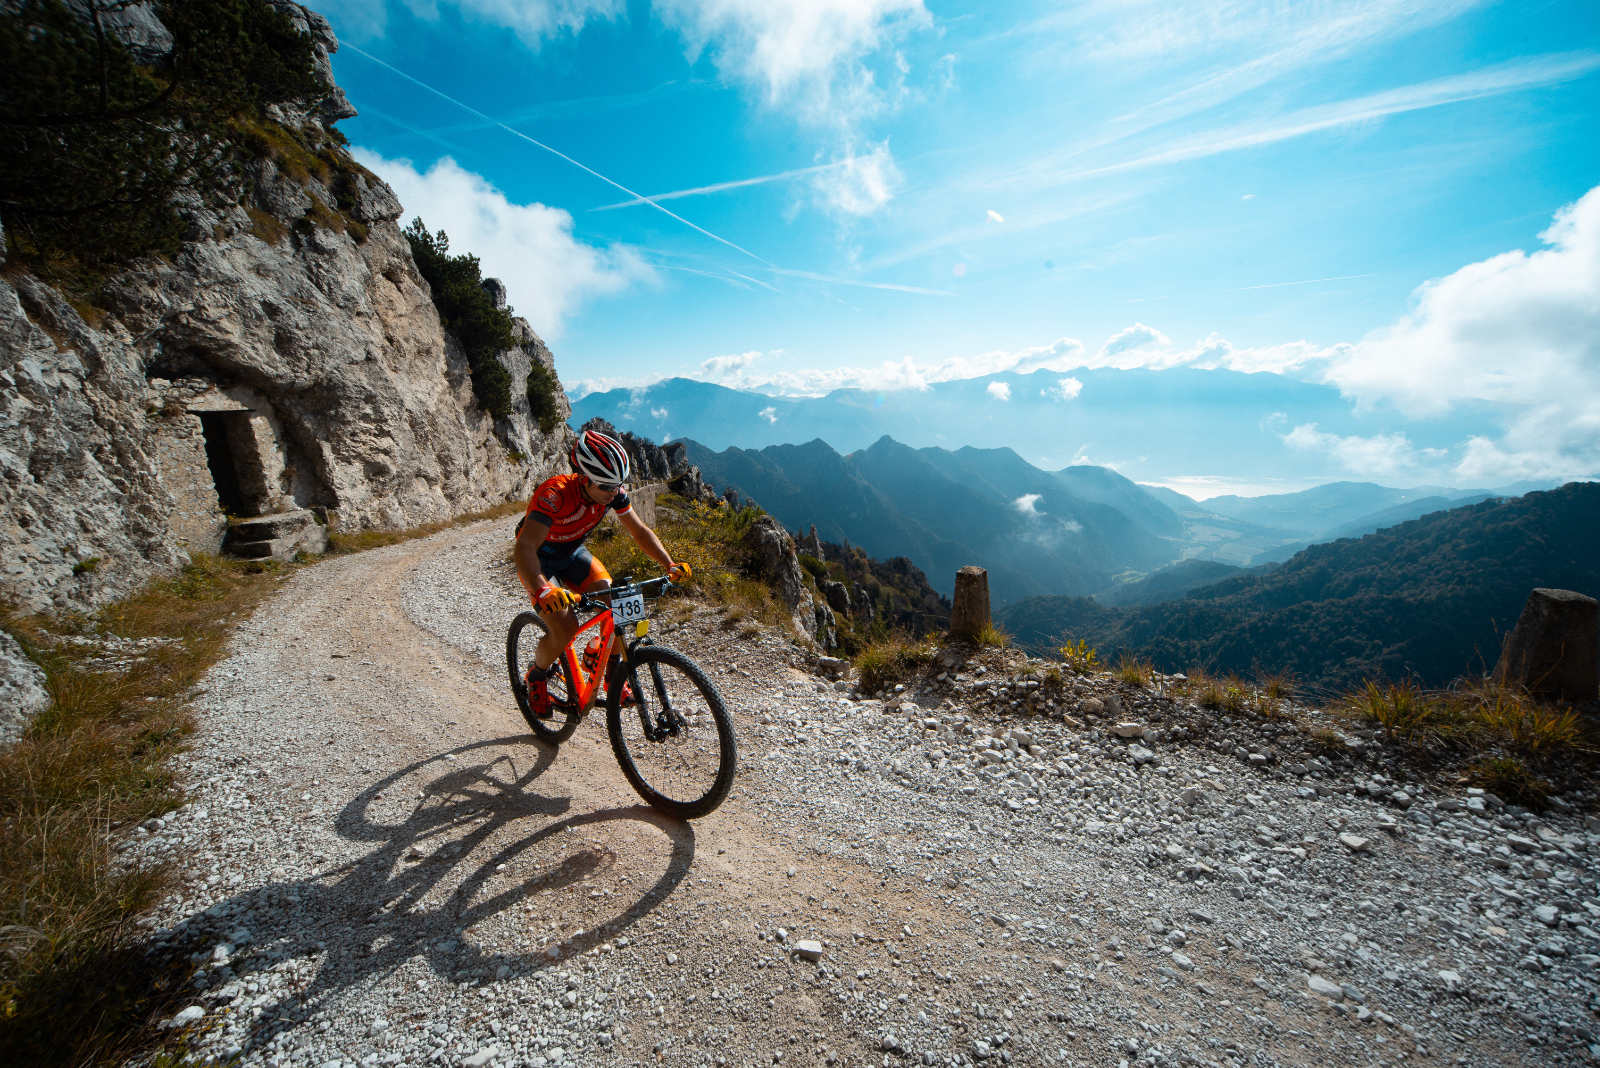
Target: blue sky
x: 1337, y: 192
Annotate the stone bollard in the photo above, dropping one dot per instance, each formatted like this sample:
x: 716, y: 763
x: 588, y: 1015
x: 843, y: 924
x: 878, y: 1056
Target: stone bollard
x: 969, y: 614
x: 1554, y: 651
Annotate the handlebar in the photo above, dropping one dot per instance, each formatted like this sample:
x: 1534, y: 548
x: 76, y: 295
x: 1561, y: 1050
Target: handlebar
x: 650, y: 588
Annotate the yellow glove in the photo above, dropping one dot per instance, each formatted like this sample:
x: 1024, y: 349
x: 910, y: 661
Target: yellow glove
x: 555, y: 599
x: 680, y: 572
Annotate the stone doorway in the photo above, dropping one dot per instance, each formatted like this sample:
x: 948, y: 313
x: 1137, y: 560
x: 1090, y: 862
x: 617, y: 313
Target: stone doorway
x: 221, y: 430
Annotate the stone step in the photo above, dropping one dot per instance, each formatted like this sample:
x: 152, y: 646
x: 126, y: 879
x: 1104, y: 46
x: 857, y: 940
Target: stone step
x: 277, y: 537
x: 269, y: 527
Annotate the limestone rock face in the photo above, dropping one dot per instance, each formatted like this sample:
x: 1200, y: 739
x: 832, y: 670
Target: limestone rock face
x: 772, y: 551
x: 1554, y: 650
x: 288, y: 358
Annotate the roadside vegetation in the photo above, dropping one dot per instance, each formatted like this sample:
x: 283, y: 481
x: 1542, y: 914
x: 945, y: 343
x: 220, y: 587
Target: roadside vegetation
x: 75, y: 985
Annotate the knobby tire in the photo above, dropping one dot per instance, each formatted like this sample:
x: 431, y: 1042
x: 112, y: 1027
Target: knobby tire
x: 686, y: 774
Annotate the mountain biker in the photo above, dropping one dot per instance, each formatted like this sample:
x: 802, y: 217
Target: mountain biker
x: 552, y: 560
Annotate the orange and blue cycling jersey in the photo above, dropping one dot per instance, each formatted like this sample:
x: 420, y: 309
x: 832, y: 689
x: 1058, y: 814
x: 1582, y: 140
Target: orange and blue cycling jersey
x: 560, y: 504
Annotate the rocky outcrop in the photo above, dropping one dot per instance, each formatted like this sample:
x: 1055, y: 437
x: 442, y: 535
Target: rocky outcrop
x: 289, y: 357
x: 773, y: 559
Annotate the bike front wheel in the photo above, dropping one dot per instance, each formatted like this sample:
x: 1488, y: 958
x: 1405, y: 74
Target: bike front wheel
x: 675, y: 740
x: 521, y: 641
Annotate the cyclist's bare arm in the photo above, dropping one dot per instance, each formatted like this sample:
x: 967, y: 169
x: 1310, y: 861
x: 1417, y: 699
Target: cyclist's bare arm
x: 526, y: 554
x: 645, y: 538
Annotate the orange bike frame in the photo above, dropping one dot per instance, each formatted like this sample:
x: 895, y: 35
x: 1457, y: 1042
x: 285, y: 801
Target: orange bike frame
x: 587, y: 686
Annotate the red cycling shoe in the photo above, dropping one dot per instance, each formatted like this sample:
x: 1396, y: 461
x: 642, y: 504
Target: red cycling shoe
x: 539, y: 698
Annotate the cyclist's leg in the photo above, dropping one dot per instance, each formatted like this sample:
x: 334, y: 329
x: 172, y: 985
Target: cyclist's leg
x: 561, y: 625
x: 596, y: 581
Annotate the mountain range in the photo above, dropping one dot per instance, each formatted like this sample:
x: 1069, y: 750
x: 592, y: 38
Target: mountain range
x: 1429, y: 597
x: 1081, y: 530
x: 1150, y: 424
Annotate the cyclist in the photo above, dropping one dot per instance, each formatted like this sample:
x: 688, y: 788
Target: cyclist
x: 552, y: 560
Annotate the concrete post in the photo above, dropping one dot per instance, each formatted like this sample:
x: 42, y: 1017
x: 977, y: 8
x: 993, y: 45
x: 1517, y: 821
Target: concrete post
x: 1555, y: 649
x: 969, y: 613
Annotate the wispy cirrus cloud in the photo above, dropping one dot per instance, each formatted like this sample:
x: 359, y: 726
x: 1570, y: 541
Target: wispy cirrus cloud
x: 1510, y: 76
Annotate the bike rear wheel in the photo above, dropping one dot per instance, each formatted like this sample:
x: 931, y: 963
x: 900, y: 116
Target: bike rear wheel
x: 675, y: 744
x: 521, y: 641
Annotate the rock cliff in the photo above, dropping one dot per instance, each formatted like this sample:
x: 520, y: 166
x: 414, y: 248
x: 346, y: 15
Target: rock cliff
x: 289, y: 357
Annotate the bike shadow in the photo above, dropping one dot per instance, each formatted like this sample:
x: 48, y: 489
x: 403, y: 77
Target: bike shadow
x: 364, y: 920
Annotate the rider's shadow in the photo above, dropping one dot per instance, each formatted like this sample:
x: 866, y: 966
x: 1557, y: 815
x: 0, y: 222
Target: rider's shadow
x: 375, y: 914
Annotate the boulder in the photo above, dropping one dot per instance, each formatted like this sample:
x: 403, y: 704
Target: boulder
x: 969, y: 613
x: 1554, y: 650
x: 23, y: 690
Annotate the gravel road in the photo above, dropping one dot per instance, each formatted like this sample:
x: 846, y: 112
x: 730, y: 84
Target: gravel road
x: 383, y: 867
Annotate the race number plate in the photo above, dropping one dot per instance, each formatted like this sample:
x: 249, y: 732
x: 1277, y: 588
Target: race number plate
x: 628, y: 610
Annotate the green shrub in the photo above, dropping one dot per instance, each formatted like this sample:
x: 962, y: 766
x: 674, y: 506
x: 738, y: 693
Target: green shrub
x: 1080, y: 657
x: 544, y: 391
x: 468, y: 312
x: 100, y: 147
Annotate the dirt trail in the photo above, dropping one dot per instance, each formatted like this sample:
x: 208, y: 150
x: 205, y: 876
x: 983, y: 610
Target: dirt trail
x: 390, y: 870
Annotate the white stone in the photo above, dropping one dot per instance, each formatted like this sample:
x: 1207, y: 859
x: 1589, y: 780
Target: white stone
x: 481, y: 1058
x: 1128, y: 730
x: 1354, y: 842
x: 1319, y: 985
x: 809, y: 948
x: 188, y: 1016
x: 1451, y: 980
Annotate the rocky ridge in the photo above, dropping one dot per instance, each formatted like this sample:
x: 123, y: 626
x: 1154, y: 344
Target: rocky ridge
x: 386, y: 870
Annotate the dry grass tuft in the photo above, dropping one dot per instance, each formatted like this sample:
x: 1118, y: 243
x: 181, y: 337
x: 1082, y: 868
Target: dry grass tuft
x: 992, y: 636
x: 75, y: 988
x: 890, y: 660
x: 1510, y: 780
x: 1133, y: 671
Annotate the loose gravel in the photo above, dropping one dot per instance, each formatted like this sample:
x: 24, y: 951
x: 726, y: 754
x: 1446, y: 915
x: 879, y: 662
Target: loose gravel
x: 382, y: 867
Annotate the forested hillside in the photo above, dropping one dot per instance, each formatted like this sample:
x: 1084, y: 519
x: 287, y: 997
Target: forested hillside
x: 1432, y: 597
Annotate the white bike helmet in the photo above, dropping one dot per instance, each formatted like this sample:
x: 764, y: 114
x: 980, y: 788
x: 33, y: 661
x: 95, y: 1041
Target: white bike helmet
x: 600, y: 458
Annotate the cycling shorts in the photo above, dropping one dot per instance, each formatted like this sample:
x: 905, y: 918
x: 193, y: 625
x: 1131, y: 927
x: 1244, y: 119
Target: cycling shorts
x: 577, y: 570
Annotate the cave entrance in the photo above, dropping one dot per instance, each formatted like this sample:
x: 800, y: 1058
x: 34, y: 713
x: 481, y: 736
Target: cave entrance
x: 222, y: 430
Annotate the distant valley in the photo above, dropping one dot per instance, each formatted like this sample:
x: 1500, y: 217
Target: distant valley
x: 1081, y: 530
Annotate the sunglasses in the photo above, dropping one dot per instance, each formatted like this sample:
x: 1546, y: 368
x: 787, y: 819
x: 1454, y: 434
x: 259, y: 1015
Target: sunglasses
x: 614, y: 487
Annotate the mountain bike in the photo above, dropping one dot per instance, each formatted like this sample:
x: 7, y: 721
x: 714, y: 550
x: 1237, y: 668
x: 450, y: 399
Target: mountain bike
x: 673, y: 739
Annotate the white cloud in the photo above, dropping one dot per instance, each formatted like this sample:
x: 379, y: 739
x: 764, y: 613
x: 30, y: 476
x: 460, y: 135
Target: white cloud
x: 659, y: 413
x: 824, y: 56
x: 548, y: 272
x: 999, y: 390
x: 1520, y: 331
x: 769, y: 413
x: 1027, y: 503
x: 532, y: 20
x: 1064, y: 390
x: 858, y: 184
x: 1381, y: 455
x: 580, y: 388
x: 719, y: 367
